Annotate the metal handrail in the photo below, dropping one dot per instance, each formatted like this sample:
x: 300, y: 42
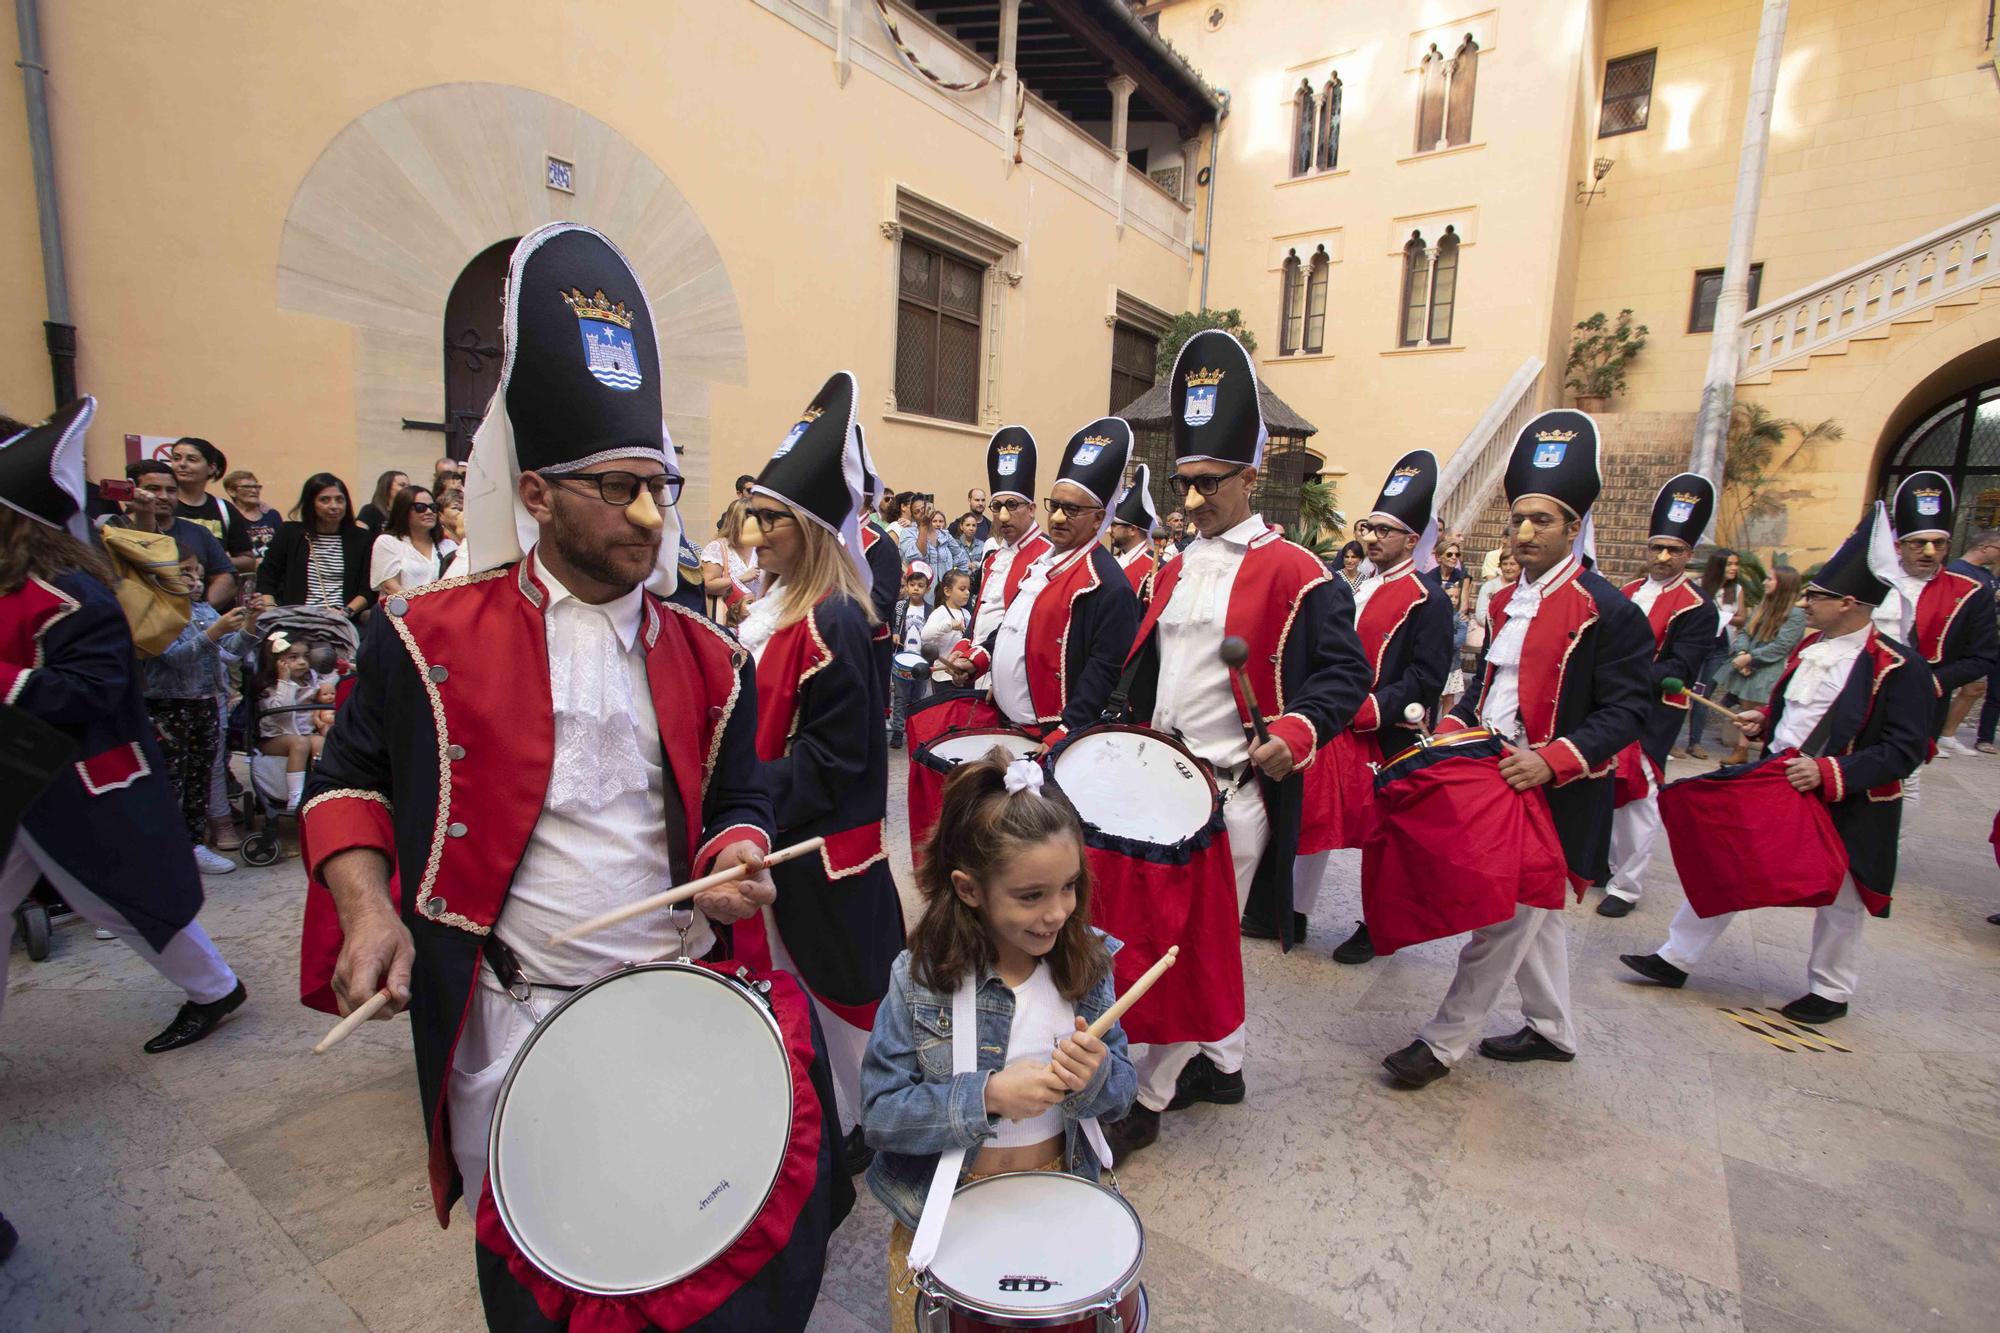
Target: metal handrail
x: 1468, y: 478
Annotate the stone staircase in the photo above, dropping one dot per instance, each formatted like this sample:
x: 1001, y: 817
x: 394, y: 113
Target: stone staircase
x: 1640, y: 451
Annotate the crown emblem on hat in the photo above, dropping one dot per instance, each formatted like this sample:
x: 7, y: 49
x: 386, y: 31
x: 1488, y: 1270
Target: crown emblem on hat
x: 1099, y: 440
x: 1203, y: 378
x: 1007, y: 450
x: 1407, y: 472
x: 812, y: 414
x: 599, y: 306
x: 1564, y: 436
x: 1688, y: 497
x: 1926, y: 492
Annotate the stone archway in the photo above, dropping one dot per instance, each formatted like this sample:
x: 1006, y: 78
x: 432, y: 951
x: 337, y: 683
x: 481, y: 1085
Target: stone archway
x: 412, y: 190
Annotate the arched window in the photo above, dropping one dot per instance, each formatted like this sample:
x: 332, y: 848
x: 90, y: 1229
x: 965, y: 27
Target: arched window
x: 1328, y: 156
x: 1314, y: 339
x: 1960, y: 438
x: 1461, y: 75
x: 1416, y: 291
x: 1430, y: 100
x: 1302, y: 130
x: 1444, y: 286
x: 1292, y: 305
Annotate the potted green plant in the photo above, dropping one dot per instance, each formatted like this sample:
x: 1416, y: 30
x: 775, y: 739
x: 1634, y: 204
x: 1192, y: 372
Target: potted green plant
x: 1599, y: 351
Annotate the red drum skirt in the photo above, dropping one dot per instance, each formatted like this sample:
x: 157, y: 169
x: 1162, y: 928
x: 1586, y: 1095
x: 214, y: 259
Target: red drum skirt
x: 1339, y: 795
x: 1629, y: 783
x: 957, y: 710
x: 1743, y: 837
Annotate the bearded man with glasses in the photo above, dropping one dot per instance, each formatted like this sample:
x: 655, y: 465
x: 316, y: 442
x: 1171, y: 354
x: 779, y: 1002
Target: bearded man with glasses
x: 1946, y: 615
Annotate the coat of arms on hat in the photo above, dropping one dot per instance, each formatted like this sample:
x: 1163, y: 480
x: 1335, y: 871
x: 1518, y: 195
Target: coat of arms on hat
x: 1400, y: 480
x: 608, y: 350
x: 1930, y: 501
x: 1092, y: 446
x: 1006, y: 458
x: 1201, y: 388
x: 810, y: 415
x: 1681, y: 508
x: 1550, y: 446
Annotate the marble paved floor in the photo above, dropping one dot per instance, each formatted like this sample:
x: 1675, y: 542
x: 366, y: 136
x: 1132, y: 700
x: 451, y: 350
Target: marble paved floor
x: 1681, y: 1174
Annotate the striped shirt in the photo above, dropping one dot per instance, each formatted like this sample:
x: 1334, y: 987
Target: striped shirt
x: 325, y: 571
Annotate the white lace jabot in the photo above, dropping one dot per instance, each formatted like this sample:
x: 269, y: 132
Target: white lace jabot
x: 597, y: 757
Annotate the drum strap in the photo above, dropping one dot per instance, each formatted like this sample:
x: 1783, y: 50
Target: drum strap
x: 944, y: 1180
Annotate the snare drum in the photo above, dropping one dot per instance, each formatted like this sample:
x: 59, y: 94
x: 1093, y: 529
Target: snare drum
x: 1036, y: 1249
x: 947, y: 713
x: 642, y: 1127
x: 908, y: 666
x: 1160, y: 874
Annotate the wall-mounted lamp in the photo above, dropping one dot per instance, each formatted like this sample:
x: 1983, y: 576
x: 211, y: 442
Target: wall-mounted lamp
x: 1599, y: 169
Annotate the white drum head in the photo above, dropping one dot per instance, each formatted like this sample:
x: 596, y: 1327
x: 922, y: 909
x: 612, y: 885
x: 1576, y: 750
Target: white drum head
x: 910, y: 660
x: 969, y: 745
x: 641, y: 1128
x: 1037, y: 1242
x: 1135, y: 786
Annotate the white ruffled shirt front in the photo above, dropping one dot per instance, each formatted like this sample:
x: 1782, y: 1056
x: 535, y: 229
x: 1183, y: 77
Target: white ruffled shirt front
x: 1501, y: 708
x: 1822, y: 674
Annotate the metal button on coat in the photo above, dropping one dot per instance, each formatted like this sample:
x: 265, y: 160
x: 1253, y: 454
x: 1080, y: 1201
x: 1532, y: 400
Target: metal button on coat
x: 456, y: 830
x: 434, y: 907
x: 397, y: 606
x: 455, y: 752
x: 438, y: 675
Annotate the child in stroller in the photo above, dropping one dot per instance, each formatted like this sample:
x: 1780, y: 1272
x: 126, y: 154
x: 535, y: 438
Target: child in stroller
x: 280, y: 723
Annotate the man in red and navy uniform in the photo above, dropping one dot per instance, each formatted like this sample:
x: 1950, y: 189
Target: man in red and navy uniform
x: 1018, y: 540
x: 1132, y: 522
x: 1684, y: 627
x: 539, y: 742
x: 1565, y: 680
x: 1305, y: 672
x: 1056, y: 651
x: 1852, y: 710
x: 1945, y: 615
x: 1404, y: 622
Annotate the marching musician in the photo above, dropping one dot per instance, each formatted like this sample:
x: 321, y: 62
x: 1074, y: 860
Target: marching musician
x: 885, y: 559
x: 824, y: 755
x: 1564, y: 679
x: 1855, y: 707
x: 1404, y: 622
x: 1238, y: 578
x: 1132, y: 524
x: 540, y: 741
x: 1684, y: 624
x: 1947, y: 616
x: 1056, y: 651
x: 1017, y: 540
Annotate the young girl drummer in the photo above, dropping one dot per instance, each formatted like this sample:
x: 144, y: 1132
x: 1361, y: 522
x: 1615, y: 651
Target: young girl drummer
x: 1007, y: 911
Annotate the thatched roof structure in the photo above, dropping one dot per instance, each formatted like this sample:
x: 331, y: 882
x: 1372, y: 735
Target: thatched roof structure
x: 1149, y: 412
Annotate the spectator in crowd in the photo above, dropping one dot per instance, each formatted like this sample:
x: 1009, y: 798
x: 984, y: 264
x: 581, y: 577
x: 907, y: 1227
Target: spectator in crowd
x: 1178, y: 535
x: 282, y: 686
x: 910, y: 507
x: 153, y: 509
x: 446, y: 472
x: 927, y: 541
x: 1759, y: 650
x: 1458, y: 591
x: 183, y: 685
x: 743, y: 485
x: 1722, y: 582
x: 951, y: 621
x: 1506, y: 573
x: 975, y: 506
x: 260, y: 521
x: 195, y: 463
x: 320, y: 556
x: 451, y: 522
x: 1351, y: 556
x: 406, y: 555
x: 376, y: 512
x: 907, y: 633
x: 729, y: 563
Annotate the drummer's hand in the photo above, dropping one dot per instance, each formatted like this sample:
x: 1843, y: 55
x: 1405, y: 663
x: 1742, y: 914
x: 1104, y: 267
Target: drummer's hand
x: 1802, y: 773
x: 960, y: 668
x: 375, y: 954
x: 1524, y: 768
x: 728, y: 903
x: 1024, y: 1090
x: 1274, y: 757
x: 1077, y: 1058
x: 1751, y: 723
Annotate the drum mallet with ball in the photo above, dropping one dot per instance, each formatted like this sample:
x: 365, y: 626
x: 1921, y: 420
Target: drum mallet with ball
x: 1673, y: 685
x: 1235, y: 653
x: 1413, y: 717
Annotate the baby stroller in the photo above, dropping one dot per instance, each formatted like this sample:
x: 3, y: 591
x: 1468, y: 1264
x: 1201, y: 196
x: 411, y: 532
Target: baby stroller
x: 331, y: 644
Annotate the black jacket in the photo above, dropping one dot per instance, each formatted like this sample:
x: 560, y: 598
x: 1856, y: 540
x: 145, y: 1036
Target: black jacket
x: 282, y: 575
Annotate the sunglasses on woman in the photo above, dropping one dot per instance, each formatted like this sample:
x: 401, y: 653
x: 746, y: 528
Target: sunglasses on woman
x: 423, y: 507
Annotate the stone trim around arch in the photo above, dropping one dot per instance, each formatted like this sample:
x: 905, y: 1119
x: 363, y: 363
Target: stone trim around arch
x: 409, y: 191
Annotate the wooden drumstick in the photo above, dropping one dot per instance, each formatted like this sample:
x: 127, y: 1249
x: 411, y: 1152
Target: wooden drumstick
x: 1673, y: 685
x: 681, y: 893
x: 1133, y: 994
x: 367, y: 1010
x: 1235, y: 653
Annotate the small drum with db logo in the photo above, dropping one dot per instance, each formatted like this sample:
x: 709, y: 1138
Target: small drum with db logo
x: 909, y: 666
x: 1036, y: 1249
x: 1160, y: 874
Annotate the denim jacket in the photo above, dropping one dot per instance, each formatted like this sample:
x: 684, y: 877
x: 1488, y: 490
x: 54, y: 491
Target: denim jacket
x: 914, y: 1107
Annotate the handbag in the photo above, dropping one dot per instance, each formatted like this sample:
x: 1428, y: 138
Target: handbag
x: 151, y: 590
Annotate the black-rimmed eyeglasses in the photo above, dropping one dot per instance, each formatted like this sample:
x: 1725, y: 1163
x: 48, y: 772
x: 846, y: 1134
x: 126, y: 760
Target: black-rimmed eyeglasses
x: 1069, y: 509
x: 1180, y: 485
x: 622, y: 488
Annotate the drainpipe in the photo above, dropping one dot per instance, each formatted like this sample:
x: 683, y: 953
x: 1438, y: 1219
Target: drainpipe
x: 1208, y: 221
x: 1725, y: 349
x: 60, y: 333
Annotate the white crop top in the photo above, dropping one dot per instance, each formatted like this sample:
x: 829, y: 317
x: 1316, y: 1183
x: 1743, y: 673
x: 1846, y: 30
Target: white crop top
x: 1042, y: 1017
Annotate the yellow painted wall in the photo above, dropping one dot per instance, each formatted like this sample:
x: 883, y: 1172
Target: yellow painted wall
x: 183, y: 129
x: 1510, y: 195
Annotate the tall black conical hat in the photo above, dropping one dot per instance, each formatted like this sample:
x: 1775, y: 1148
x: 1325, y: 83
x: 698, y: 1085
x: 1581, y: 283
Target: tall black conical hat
x: 1924, y: 503
x: 1010, y: 463
x: 1847, y: 572
x: 1556, y: 455
x: 1213, y: 398
x: 1095, y: 458
x: 1410, y: 494
x: 1683, y: 508
x: 1136, y: 508
x: 817, y: 470
x: 41, y: 469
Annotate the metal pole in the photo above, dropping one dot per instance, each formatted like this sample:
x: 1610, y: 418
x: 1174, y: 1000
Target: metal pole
x: 1718, y: 392
x: 59, y: 332
x: 1208, y: 222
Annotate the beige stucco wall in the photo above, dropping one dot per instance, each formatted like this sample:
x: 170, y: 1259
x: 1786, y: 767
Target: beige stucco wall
x: 185, y: 132
x: 1508, y: 194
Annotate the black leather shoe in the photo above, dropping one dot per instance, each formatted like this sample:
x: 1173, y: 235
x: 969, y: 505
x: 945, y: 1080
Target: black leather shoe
x: 1201, y: 1081
x: 1416, y: 1065
x: 1993, y: 920
x: 8, y: 1238
x: 1613, y: 905
x: 1139, y: 1129
x: 196, y: 1021
x: 1810, y: 1008
x: 1527, y: 1044
x: 895, y: 740
x: 1254, y: 929
x: 1356, y: 948
x: 855, y: 1154
x: 1654, y: 968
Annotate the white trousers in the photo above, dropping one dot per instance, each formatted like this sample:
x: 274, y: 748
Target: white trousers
x: 494, y: 1030
x: 1308, y: 872
x: 190, y: 959
x: 1531, y: 950
x: 1832, y: 969
x: 1635, y: 830
x: 845, y: 1043
x: 1159, y: 1066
